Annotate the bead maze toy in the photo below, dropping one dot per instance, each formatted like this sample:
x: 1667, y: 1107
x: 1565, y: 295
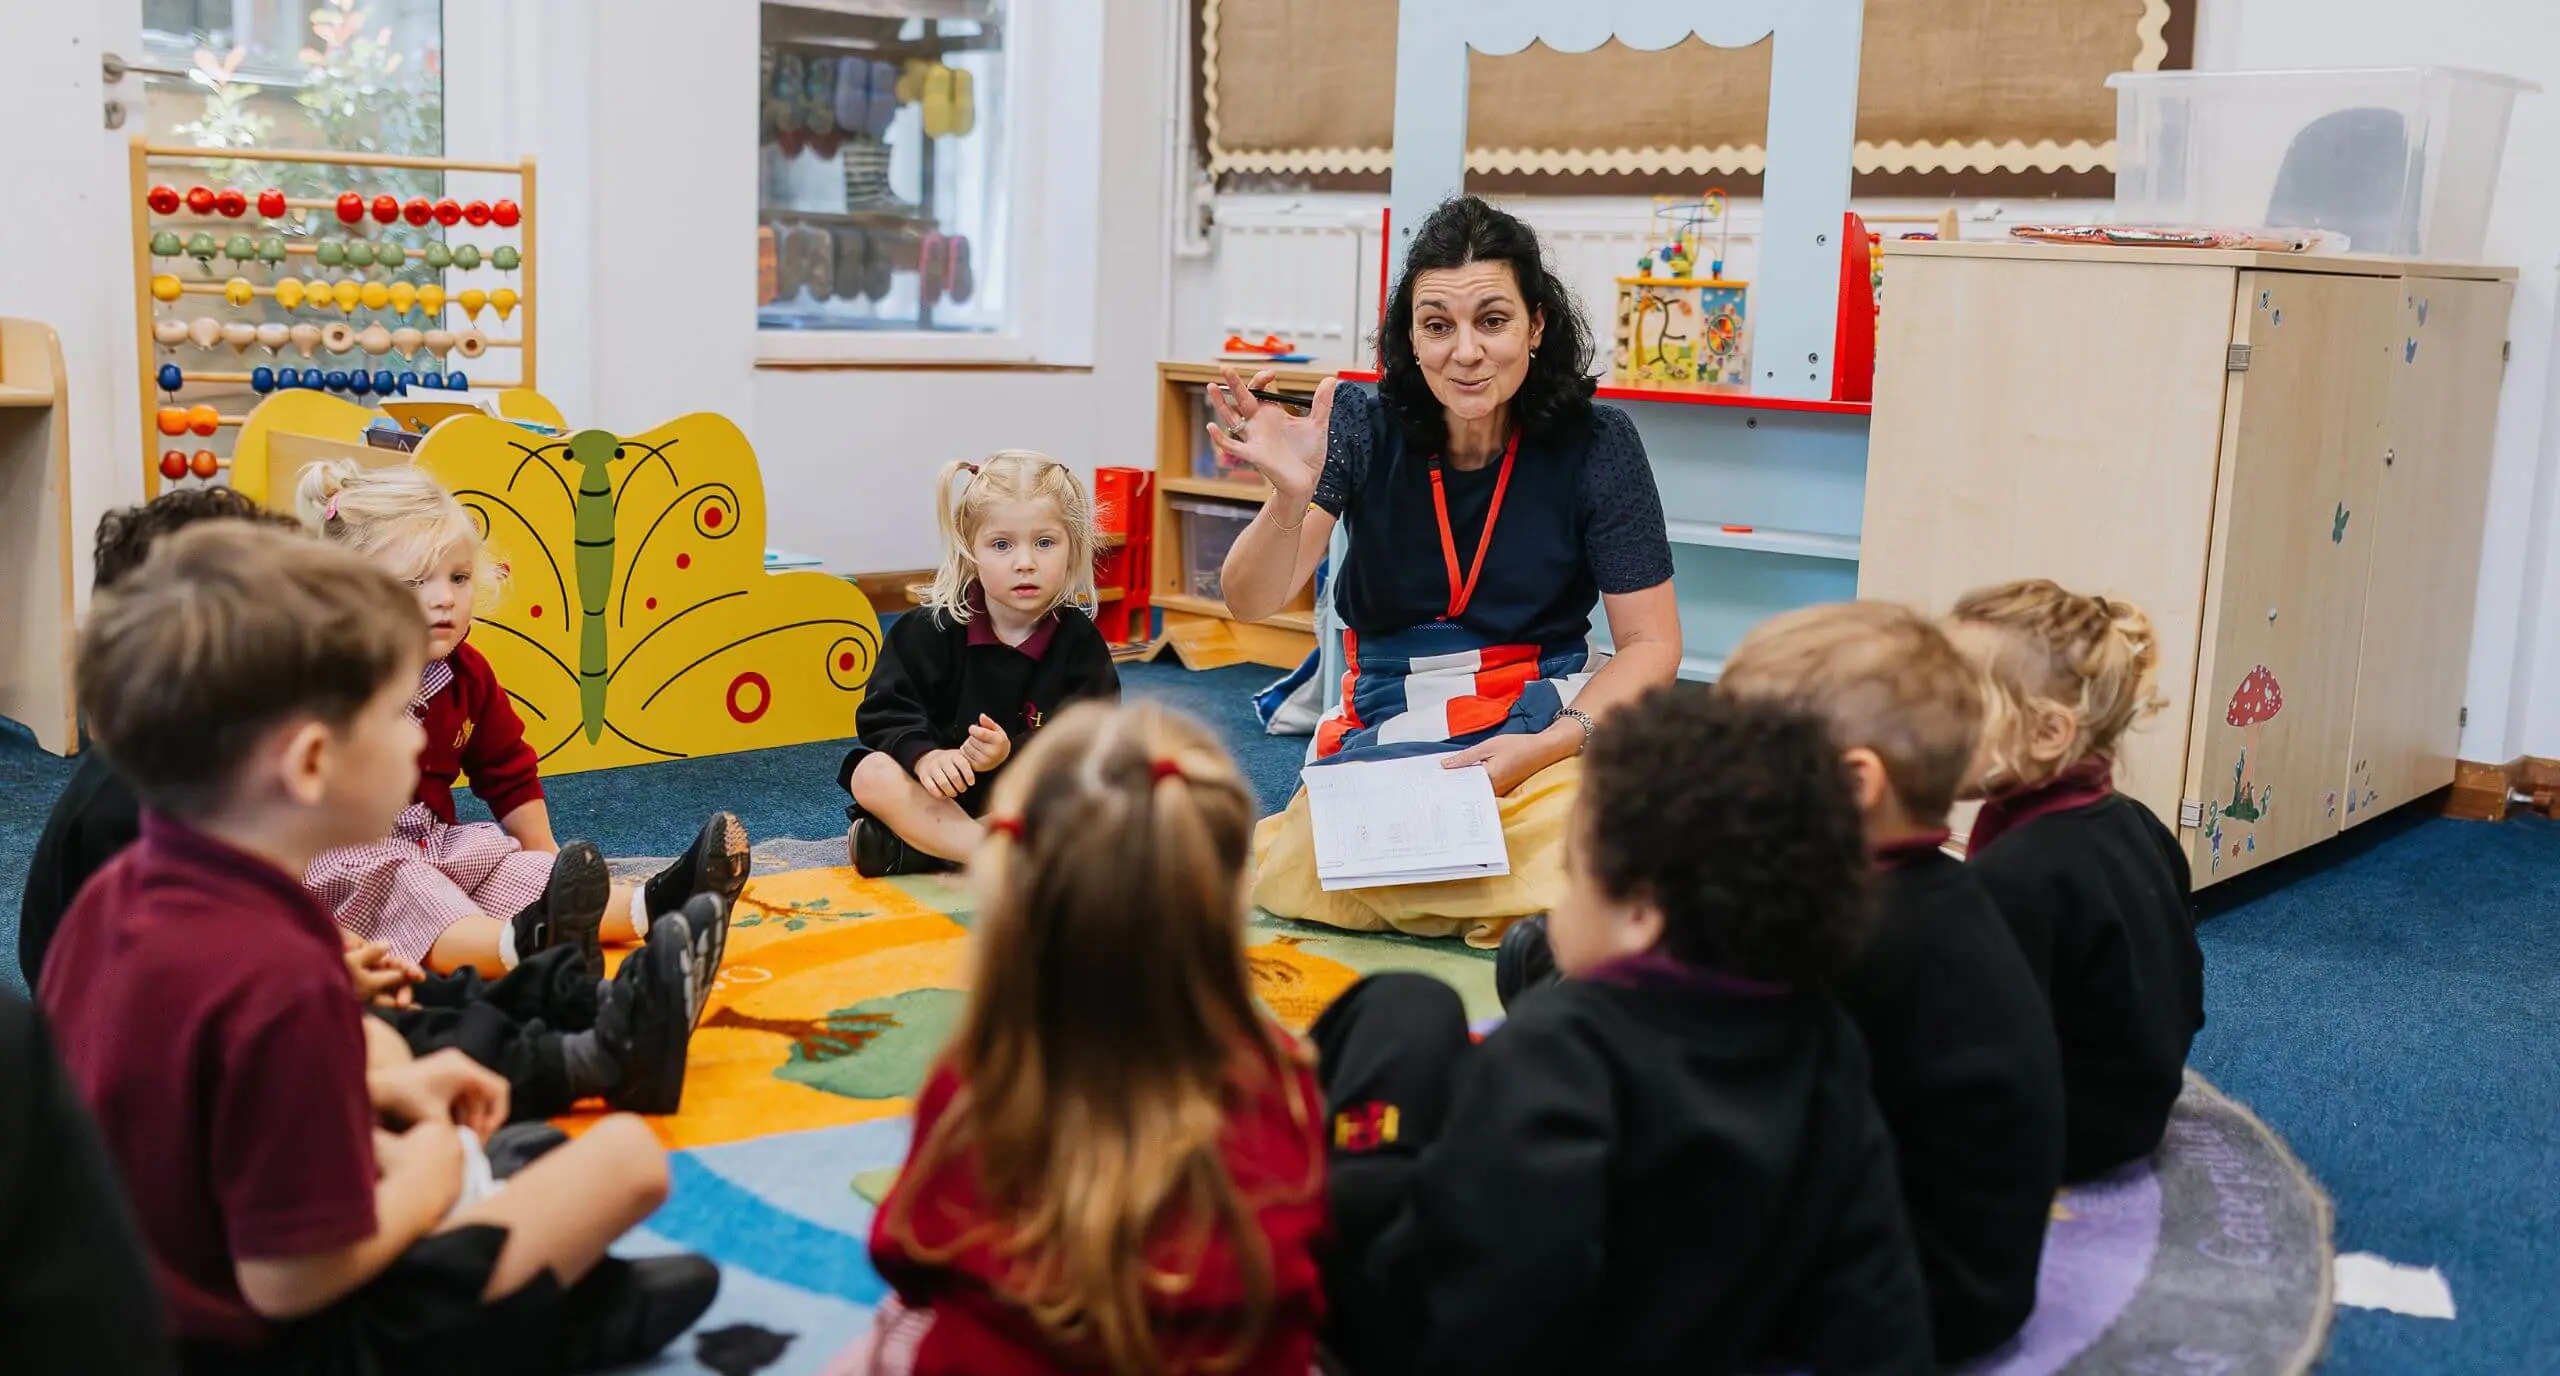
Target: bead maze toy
x: 360, y: 287
x: 1675, y: 327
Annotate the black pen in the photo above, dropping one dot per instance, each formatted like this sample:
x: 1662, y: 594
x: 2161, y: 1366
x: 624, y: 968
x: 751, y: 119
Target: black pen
x: 1275, y: 398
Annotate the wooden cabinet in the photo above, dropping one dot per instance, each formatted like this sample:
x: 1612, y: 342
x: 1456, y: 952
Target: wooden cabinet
x: 2282, y: 459
x: 1200, y: 505
x: 36, y: 632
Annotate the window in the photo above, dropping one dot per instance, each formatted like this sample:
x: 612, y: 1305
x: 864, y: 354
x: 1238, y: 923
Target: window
x: 354, y: 75
x: 882, y: 168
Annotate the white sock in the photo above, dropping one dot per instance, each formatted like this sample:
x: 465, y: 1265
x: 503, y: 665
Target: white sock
x: 507, y: 944
x: 639, y: 911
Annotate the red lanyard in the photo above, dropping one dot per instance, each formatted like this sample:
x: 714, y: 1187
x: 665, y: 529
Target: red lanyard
x: 1461, y: 593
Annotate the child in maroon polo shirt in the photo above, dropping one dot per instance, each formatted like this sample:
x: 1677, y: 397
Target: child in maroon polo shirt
x: 296, y: 1176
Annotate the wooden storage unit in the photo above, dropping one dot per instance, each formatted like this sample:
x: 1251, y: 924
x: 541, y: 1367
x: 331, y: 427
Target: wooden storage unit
x: 36, y: 629
x: 1282, y: 639
x: 2283, y: 459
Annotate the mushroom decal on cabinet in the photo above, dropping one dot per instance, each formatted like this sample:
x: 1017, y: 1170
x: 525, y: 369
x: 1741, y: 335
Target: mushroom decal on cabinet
x: 2257, y: 701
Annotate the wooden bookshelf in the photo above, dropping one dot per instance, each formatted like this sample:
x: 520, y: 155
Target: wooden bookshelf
x: 1282, y: 639
x: 35, y: 529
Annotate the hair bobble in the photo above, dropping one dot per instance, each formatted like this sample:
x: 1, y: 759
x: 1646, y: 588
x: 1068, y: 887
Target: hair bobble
x: 1008, y: 826
x: 1160, y: 770
x: 330, y: 512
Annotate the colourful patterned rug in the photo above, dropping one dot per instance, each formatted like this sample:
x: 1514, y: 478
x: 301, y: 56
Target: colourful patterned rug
x: 838, y: 990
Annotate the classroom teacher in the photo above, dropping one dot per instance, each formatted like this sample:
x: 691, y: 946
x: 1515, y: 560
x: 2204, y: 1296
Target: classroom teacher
x: 1489, y: 505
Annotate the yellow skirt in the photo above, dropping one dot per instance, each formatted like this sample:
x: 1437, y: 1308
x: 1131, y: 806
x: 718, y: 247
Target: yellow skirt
x: 1533, y: 826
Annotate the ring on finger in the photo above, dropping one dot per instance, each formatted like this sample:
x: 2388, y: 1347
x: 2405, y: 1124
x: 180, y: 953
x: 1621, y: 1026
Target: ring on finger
x: 1235, y: 431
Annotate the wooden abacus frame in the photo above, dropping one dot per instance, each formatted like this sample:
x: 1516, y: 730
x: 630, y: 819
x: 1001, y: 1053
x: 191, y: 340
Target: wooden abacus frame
x: 144, y: 154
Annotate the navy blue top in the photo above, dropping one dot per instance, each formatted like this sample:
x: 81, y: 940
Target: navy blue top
x: 1581, y: 518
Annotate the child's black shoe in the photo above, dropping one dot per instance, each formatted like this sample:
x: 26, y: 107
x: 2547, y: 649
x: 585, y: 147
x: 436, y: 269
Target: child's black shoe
x: 627, y: 1311
x: 879, y: 852
x: 570, y: 911
x: 706, y: 920
x: 717, y: 862
x: 1524, y: 962
x: 646, y: 1020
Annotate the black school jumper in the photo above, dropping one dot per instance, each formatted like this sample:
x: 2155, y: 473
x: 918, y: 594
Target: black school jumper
x: 1649, y: 1170
x: 937, y: 675
x: 1969, y: 1079
x: 2097, y: 892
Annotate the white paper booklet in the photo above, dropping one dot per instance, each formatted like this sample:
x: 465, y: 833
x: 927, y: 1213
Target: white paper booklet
x: 1403, y: 821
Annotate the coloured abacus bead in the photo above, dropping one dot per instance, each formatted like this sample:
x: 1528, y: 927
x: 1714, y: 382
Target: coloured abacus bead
x: 472, y: 299
x: 390, y: 255
x: 504, y: 298
x: 470, y: 344
x: 438, y: 341
x: 271, y: 203
x: 376, y: 296
x: 350, y: 208
x: 359, y: 382
x: 418, y: 211
x: 171, y: 420
x: 403, y: 297
x: 456, y: 382
x: 238, y: 292
x: 408, y: 380
x: 271, y: 249
x: 405, y: 340
x: 505, y: 258
x: 306, y: 338
x: 230, y: 203
x: 240, y: 334
x: 262, y: 380
x: 359, y: 253
x: 164, y: 244
x: 448, y: 211
x: 166, y: 287
x: 384, y: 382
x: 337, y: 337
x: 171, y: 333
x: 240, y: 248
x: 506, y: 214
x: 477, y: 212
x: 204, y: 420
x: 467, y: 256
x: 200, y: 199
x: 386, y: 208
x: 346, y: 291
x: 273, y: 335
x: 288, y: 377
x: 431, y: 299
x: 173, y: 464
x: 329, y: 253
x: 289, y: 292
x: 206, y: 463
x: 432, y: 381
x: 170, y: 378
x: 204, y: 331
x: 201, y: 247
x: 375, y: 339
x: 163, y: 200
x: 335, y: 380
x: 439, y: 257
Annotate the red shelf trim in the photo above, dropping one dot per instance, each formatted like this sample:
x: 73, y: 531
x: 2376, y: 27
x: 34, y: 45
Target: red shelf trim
x: 1744, y: 400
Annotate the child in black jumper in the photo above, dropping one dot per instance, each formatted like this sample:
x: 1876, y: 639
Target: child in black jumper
x: 1000, y: 640
x: 1966, y: 1070
x: 1668, y: 1162
x: 2095, y: 888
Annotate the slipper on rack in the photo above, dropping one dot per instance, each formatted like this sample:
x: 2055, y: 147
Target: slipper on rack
x: 884, y: 99
x: 768, y: 266
x: 964, y: 101
x: 957, y: 277
x: 931, y: 262
x: 877, y: 282
x: 937, y: 101
x: 853, y: 262
x: 910, y: 87
x: 825, y: 145
x: 822, y: 265
x: 853, y: 93
x: 818, y: 106
x: 790, y: 78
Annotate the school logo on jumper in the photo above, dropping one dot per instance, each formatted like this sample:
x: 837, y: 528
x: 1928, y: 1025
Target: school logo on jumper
x: 462, y: 737
x: 1031, y: 716
x: 1364, y: 1128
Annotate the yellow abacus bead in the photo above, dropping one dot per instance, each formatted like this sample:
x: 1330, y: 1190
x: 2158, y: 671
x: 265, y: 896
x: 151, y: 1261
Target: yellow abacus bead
x: 315, y: 293
x: 473, y: 299
x: 431, y: 299
x: 504, y: 298
x: 376, y: 296
x: 165, y: 287
x: 238, y: 292
x: 403, y: 297
x: 347, y: 294
x: 288, y: 292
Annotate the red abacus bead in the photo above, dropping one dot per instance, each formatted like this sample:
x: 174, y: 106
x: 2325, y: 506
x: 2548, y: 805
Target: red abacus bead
x: 200, y: 199
x: 477, y: 212
x: 164, y: 200
x: 448, y: 211
x: 386, y: 208
x: 206, y: 463
x: 271, y: 203
x: 231, y: 203
x: 418, y: 211
x: 173, y: 464
x: 506, y: 214
x: 204, y: 420
x: 350, y: 208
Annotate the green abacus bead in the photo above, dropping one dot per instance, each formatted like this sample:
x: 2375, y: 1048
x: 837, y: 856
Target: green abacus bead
x: 240, y: 249
x: 331, y: 254
x: 439, y: 257
x: 165, y: 245
x: 271, y: 249
x: 390, y: 255
x: 201, y: 245
x: 505, y: 258
x: 467, y: 256
x: 359, y: 253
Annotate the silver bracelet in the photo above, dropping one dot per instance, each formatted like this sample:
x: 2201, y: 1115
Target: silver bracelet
x: 1589, y: 727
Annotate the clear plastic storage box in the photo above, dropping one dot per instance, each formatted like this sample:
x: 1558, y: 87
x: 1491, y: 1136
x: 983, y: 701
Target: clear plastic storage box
x: 2399, y: 160
x: 1208, y: 529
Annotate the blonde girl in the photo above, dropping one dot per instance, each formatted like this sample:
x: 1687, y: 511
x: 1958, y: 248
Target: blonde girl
x: 1118, y: 1160
x: 454, y: 896
x: 2096, y: 889
x: 1000, y: 641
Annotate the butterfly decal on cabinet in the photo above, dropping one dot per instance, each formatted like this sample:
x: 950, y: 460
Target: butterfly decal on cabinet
x: 638, y: 622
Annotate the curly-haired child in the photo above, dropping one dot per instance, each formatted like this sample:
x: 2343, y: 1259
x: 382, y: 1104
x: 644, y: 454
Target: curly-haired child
x: 2096, y: 889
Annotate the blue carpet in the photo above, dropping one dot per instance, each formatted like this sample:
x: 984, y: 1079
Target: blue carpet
x: 2386, y: 1005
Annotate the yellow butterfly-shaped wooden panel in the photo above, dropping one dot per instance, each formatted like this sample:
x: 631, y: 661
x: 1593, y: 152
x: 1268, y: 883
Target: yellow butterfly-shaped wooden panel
x: 638, y: 623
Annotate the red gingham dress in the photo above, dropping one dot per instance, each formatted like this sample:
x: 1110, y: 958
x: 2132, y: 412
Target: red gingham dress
x: 429, y: 873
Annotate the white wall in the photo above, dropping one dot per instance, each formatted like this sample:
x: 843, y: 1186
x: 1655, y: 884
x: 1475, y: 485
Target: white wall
x: 2516, y: 639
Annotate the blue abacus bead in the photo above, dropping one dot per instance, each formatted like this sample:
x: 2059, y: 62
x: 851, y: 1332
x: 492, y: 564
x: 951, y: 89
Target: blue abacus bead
x: 262, y: 380
x: 288, y: 377
x: 384, y: 382
x: 432, y: 380
x: 408, y: 380
x: 314, y: 380
x: 170, y: 378
x: 457, y: 382
x: 360, y: 382
x: 336, y: 380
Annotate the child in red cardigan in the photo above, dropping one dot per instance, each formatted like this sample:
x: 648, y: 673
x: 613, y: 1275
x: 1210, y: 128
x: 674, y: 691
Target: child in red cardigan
x: 450, y: 895
x: 1119, y: 1162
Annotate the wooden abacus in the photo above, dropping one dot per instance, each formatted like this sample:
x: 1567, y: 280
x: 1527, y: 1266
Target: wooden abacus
x: 238, y: 209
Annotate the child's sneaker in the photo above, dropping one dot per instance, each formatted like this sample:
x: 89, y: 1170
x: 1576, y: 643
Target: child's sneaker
x: 717, y: 862
x: 627, y: 1311
x: 1524, y: 962
x: 706, y: 920
x: 646, y: 1020
x: 571, y: 909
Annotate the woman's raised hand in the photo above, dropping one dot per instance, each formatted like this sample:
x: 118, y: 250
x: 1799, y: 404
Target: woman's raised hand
x: 1287, y: 450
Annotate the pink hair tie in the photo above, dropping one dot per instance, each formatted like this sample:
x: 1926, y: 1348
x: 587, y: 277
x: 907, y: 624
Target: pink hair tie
x: 331, y: 512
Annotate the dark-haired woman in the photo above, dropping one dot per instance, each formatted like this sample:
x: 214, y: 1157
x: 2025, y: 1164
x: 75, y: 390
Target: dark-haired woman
x: 1490, y: 504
